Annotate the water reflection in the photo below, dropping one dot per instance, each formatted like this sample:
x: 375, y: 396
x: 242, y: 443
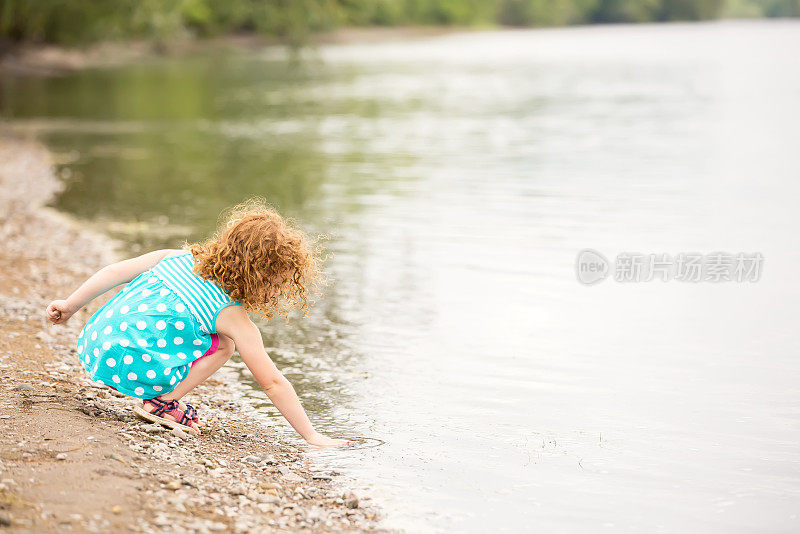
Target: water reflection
x: 457, y: 178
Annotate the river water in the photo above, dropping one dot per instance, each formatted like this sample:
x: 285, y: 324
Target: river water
x: 457, y: 178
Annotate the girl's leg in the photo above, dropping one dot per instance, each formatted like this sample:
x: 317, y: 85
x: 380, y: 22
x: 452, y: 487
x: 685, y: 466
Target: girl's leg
x: 201, y: 370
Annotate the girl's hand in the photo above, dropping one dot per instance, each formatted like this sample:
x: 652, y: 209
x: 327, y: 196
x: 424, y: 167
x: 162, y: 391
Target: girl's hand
x: 59, y: 312
x: 320, y: 441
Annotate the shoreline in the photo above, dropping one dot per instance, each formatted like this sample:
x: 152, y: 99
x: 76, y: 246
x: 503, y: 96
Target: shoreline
x: 38, y: 59
x: 72, y: 453
x: 47, y: 59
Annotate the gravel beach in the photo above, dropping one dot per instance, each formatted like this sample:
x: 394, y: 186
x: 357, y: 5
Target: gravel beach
x: 73, y: 456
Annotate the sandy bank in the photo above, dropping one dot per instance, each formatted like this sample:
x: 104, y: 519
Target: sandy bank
x: 74, y: 457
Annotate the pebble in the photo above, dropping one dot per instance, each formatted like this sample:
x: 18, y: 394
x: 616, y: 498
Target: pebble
x: 22, y: 386
x: 252, y: 459
x: 174, y: 485
x: 293, y: 477
x: 267, y: 499
x: 5, y: 520
x: 61, y: 456
x: 45, y: 337
x: 177, y: 432
x: 154, y: 428
x: 352, y: 503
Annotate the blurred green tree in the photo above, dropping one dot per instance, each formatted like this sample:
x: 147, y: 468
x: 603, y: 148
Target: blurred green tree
x: 73, y: 22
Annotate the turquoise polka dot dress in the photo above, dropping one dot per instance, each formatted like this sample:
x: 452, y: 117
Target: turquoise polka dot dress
x: 144, y: 340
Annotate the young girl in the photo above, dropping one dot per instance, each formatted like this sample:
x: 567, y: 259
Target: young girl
x: 183, y: 312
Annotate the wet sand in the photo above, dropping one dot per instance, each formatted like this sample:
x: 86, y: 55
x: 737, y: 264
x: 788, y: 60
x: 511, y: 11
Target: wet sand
x: 73, y: 456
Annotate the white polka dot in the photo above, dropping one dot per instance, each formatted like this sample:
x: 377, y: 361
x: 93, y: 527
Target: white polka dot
x: 181, y: 355
x: 164, y: 292
x: 132, y: 376
x: 172, y: 381
x: 141, y: 342
x: 142, y: 308
x: 197, y: 342
x: 94, y: 336
x: 96, y: 352
x: 86, y: 360
x: 109, y: 313
x: 179, y: 325
x: 167, y: 371
x: 123, y: 326
x: 124, y: 309
x: 151, y: 373
x: 106, y: 345
x: 116, y: 379
x: 146, y: 357
x: 179, y: 375
x: 128, y: 359
x: 157, y: 388
x: 161, y: 307
x: 111, y: 362
x: 197, y: 354
x: 161, y: 325
x: 124, y: 342
x: 152, y: 280
x: 141, y: 325
x: 178, y: 340
x: 80, y: 349
x: 100, y: 382
x: 179, y: 307
x: 161, y: 343
x: 80, y: 335
x: 107, y: 330
x: 139, y: 391
x: 146, y: 292
x: 164, y: 356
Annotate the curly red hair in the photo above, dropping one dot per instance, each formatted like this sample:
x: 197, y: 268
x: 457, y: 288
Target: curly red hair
x: 261, y: 259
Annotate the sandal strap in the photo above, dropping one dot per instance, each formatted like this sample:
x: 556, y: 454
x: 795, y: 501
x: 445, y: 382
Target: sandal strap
x: 184, y: 417
x: 191, y: 413
x: 181, y: 417
x: 162, y: 406
x: 172, y: 407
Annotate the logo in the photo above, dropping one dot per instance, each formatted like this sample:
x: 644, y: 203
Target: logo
x: 591, y: 267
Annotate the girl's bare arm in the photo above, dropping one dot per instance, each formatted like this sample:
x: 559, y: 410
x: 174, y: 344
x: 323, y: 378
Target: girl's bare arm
x: 106, y: 278
x: 234, y: 323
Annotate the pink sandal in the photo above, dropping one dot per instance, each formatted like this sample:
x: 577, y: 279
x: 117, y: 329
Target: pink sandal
x: 170, y: 407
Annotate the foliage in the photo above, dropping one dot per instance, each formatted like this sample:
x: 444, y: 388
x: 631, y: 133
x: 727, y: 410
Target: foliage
x: 80, y: 21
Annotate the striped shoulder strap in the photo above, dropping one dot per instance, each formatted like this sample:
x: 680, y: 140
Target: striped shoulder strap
x: 203, y: 297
